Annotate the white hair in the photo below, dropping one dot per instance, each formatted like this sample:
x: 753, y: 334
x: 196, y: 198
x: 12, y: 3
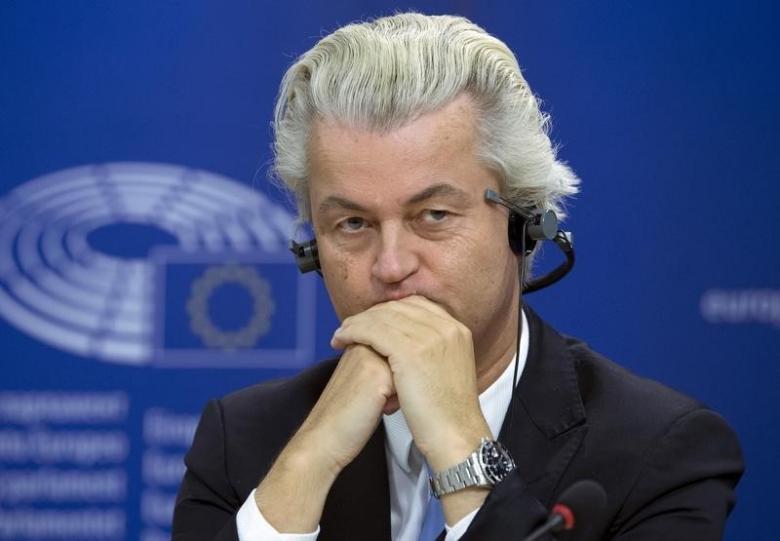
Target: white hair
x: 382, y: 74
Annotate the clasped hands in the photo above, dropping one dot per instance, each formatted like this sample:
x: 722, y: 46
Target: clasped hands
x: 414, y: 355
x: 409, y: 353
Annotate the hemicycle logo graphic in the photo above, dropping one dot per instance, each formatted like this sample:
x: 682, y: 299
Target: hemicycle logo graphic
x: 145, y: 263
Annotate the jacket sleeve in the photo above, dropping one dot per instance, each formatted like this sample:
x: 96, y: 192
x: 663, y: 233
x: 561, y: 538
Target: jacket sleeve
x: 684, y: 490
x: 206, y: 505
x: 509, y: 512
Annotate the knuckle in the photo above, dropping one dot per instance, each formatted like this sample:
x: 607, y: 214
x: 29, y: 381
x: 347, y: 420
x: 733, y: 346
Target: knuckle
x: 386, y: 387
x: 347, y: 321
x: 452, y: 332
x: 465, y: 331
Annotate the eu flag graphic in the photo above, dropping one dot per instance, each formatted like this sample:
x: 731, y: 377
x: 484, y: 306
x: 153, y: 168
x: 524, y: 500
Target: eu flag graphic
x: 233, y: 310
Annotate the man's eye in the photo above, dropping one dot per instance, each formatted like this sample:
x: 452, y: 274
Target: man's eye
x: 353, y: 223
x: 435, y: 216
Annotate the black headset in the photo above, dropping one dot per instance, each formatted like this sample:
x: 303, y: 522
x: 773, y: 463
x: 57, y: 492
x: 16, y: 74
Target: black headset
x: 527, y: 226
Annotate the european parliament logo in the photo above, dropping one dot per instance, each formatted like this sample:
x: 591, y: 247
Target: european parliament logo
x: 145, y: 263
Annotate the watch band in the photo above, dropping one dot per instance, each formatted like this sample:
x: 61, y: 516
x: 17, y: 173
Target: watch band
x: 485, y: 467
x: 466, y: 474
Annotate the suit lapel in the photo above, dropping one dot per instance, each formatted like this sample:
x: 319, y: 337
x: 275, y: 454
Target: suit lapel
x: 548, y: 421
x: 358, y: 505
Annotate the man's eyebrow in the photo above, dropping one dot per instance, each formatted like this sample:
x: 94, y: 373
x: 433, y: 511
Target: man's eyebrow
x: 441, y: 189
x: 334, y: 201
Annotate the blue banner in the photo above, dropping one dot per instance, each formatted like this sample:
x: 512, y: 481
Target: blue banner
x: 143, y: 251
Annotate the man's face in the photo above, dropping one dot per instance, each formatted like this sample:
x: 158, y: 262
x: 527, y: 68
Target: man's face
x: 403, y: 213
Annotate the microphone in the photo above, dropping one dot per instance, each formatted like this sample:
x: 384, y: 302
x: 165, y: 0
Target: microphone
x: 583, y: 499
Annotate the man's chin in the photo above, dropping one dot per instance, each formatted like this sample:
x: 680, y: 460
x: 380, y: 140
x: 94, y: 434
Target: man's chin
x: 392, y: 405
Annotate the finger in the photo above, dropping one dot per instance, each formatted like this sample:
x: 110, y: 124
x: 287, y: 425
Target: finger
x: 426, y: 304
x: 395, y: 313
x: 418, y: 301
x: 416, y: 310
x: 412, y: 320
x: 383, y: 331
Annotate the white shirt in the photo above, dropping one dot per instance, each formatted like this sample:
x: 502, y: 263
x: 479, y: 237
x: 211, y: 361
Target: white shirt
x: 409, y: 491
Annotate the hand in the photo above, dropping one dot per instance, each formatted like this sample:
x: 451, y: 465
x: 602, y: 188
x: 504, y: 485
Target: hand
x: 431, y: 356
x: 348, y: 410
x: 338, y: 427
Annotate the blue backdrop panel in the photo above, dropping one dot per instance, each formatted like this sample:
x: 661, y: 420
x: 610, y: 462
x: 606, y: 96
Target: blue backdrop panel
x: 143, y: 263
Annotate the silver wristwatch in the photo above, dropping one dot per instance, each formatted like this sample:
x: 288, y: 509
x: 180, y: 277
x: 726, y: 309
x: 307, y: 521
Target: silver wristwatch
x: 485, y: 467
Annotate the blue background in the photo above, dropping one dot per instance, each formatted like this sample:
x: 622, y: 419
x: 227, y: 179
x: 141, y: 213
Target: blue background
x: 668, y: 111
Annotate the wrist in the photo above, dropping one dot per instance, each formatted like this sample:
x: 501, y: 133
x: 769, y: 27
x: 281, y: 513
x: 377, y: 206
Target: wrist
x: 310, y: 454
x: 299, y: 479
x: 456, y: 448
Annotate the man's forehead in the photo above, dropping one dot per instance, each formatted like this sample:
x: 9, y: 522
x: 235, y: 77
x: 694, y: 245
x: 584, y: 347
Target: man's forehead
x: 434, y: 156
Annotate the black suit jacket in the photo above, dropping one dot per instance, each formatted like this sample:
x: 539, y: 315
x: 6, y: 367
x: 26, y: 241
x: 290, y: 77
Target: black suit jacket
x: 669, y: 465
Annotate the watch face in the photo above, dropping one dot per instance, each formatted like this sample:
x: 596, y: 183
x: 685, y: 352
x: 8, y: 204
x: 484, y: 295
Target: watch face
x: 495, y: 460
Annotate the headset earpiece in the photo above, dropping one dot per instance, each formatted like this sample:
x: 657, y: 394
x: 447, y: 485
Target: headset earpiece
x: 307, y: 256
x: 516, y: 229
x: 525, y: 227
x: 535, y: 224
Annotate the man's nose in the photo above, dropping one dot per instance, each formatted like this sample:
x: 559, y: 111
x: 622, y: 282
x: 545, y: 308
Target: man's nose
x: 396, y: 258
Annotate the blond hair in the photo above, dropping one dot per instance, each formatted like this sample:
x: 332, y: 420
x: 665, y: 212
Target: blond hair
x: 385, y: 73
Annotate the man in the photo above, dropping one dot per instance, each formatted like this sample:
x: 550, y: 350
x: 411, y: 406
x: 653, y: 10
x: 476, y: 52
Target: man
x: 389, y: 133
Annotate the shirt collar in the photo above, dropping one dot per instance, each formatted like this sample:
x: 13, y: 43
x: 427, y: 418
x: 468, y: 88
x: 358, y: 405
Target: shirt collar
x: 494, y: 402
